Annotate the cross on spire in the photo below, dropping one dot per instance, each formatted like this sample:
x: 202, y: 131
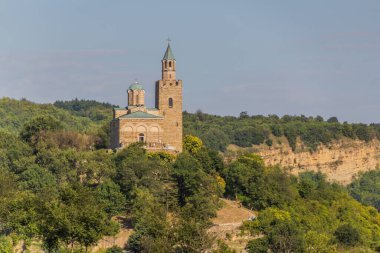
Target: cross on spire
x: 168, y: 39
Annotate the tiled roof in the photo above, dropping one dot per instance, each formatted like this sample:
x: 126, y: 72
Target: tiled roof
x: 168, y: 54
x: 140, y: 115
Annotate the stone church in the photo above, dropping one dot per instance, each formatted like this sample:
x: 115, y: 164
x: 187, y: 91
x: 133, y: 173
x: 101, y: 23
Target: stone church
x: 159, y: 128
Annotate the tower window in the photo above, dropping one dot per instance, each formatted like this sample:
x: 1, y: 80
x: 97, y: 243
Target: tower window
x: 170, y: 64
x: 141, y: 137
x: 166, y: 64
x: 170, y: 103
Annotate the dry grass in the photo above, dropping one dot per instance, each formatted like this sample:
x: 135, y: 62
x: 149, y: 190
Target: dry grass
x: 227, y: 225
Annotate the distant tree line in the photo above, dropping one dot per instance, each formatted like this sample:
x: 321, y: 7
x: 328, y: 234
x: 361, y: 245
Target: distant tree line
x: 218, y: 132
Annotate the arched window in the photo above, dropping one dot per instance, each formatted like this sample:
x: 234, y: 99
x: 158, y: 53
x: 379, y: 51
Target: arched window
x: 170, y: 64
x: 170, y: 102
x: 166, y: 64
x: 141, y: 137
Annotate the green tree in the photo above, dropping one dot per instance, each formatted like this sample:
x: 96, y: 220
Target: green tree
x: 332, y: 120
x: 192, y: 144
x: 111, y: 197
x: 195, y: 187
x: 38, y: 180
x: 259, y: 245
x: 366, y: 189
x: 32, y: 129
x: 347, y: 235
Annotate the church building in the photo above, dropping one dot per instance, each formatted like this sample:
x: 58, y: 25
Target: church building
x: 159, y: 128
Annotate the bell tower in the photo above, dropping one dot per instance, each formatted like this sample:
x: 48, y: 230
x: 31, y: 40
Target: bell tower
x: 168, y: 65
x: 169, y: 100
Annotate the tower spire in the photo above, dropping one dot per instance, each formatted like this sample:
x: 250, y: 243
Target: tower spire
x: 168, y: 54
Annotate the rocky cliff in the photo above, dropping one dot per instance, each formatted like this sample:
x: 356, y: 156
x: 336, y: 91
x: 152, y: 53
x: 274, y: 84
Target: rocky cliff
x: 340, y: 160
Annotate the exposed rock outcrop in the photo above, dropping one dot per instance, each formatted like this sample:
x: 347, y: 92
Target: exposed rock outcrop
x: 340, y: 160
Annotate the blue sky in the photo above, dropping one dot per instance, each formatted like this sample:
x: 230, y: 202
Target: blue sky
x: 265, y: 57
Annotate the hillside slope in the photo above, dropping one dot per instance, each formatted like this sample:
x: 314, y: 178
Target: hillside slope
x: 14, y: 113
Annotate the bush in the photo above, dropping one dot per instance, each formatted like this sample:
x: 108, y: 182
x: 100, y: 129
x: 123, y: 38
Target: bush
x: 347, y: 235
x: 114, y: 249
x: 5, y: 245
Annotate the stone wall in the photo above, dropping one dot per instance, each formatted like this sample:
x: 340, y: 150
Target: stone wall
x: 165, y: 90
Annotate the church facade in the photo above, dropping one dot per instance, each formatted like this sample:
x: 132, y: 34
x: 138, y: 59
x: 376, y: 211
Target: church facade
x: 159, y: 128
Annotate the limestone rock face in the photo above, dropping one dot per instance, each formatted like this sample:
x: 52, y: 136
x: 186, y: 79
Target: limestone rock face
x: 340, y: 160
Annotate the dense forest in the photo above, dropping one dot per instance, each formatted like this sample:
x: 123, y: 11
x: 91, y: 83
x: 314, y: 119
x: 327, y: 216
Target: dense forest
x: 218, y: 132
x: 62, y: 190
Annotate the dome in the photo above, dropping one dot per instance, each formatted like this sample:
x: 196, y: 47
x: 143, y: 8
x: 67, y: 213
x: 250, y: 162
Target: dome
x: 136, y: 86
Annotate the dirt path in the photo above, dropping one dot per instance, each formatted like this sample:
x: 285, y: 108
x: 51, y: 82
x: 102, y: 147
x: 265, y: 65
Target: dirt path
x: 227, y: 224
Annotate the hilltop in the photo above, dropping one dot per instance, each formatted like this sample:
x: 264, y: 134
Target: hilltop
x: 15, y: 113
x: 59, y: 192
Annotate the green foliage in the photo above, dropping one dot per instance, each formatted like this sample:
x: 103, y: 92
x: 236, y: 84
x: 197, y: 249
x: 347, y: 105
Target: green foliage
x: 111, y: 197
x: 38, y: 125
x: 78, y: 217
x: 333, y: 120
x: 5, y: 245
x: 114, y: 249
x: 348, y: 235
x: 197, y: 191
x: 64, y: 194
x: 164, y: 156
x: 259, y: 245
x: 218, y: 132
x: 366, y: 188
x: 15, y: 113
x: 38, y: 180
x: 192, y: 144
x: 215, y: 139
x: 300, y: 215
x: 92, y: 109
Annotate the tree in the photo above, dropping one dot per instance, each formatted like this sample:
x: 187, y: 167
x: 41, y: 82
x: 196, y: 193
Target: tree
x: 347, y: 235
x: 216, y: 139
x: 243, y: 115
x: 152, y: 231
x: 319, y: 118
x: 192, y: 144
x: 333, y: 120
x: 259, y: 245
x: 111, y: 197
x: 191, y: 235
x: 78, y: 217
x: 318, y: 242
x: 191, y: 179
x: 366, y: 188
x: 286, y: 237
x: 33, y: 128
x: 103, y: 136
x: 38, y: 179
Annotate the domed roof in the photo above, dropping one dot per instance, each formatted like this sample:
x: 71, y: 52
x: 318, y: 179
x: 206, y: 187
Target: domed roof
x: 136, y: 86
